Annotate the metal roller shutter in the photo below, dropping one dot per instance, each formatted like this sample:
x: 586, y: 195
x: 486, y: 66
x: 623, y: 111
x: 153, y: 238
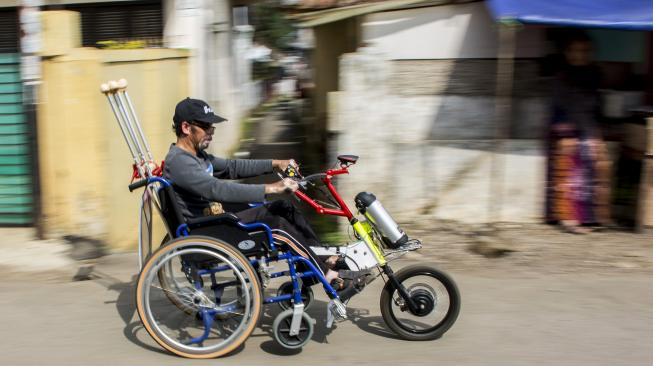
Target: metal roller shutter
x: 16, y: 191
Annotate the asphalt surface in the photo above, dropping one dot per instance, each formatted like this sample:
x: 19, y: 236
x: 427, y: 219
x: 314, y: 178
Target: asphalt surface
x: 506, y: 319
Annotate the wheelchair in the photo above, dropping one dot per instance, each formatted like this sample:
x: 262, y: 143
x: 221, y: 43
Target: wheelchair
x: 201, y: 293
x: 201, y: 296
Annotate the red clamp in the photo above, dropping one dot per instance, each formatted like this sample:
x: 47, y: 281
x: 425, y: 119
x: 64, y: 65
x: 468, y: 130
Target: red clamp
x: 157, y: 171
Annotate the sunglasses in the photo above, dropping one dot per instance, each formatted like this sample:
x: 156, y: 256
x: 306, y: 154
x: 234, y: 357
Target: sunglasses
x: 206, y: 127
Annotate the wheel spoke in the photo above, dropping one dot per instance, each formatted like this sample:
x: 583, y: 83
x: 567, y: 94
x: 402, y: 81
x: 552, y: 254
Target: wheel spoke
x: 230, y: 308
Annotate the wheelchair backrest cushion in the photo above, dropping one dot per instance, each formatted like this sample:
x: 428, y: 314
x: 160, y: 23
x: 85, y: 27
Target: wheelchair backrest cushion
x: 170, y: 209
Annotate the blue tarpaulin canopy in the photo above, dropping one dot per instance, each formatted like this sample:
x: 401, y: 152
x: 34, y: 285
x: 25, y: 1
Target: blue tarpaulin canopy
x: 615, y: 14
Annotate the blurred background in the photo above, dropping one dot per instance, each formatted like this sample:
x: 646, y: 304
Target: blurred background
x: 455, y: 107
x: 514, y: 138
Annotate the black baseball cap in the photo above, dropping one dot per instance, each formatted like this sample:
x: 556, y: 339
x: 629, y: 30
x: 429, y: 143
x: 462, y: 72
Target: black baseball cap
x: 190, y: 110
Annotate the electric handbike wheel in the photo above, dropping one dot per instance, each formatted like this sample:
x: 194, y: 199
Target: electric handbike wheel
x: 437, y: 301
x: 219, y: 291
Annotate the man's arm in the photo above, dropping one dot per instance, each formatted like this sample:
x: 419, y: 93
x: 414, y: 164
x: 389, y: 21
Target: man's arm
x: 187, y: 173
x: 239, y: 168
x: 245, y: 168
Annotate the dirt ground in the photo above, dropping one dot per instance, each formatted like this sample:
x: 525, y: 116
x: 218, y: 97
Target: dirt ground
x: 536, y: 248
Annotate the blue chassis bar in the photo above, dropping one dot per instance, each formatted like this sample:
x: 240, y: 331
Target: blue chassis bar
x: 294, y: 276
x: 208, y: 315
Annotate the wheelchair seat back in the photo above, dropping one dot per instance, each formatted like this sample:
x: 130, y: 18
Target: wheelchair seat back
x: 224, y: 227
x: 170, y: 210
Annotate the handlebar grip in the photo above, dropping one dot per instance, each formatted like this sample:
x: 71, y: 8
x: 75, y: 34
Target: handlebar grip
x: 137, y: 185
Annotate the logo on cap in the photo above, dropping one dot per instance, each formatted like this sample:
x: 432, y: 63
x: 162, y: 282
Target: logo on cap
x: 207, y: 109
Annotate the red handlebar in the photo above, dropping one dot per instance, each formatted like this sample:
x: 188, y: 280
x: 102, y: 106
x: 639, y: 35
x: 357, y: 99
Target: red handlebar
x: 344, y: 210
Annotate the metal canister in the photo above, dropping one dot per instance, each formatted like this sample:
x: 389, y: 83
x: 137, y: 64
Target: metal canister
x: 374, y: 211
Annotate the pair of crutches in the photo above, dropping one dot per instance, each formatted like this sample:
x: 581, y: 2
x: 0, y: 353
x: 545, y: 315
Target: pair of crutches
x: 123, y: 110
x: 144, y: 164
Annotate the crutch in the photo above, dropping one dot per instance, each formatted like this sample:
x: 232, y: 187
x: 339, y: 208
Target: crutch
x: 123, y: 109
x: 144, y: 165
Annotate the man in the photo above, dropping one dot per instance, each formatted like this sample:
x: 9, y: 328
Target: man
x: 201, y: 183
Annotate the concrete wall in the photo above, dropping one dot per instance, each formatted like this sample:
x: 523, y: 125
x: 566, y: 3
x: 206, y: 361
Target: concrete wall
x: 418, y: 105
x: 219, y: 71
x: 443, y: 32
x: 331, y: 41
x: 431, y: 150
x: 85, y: 165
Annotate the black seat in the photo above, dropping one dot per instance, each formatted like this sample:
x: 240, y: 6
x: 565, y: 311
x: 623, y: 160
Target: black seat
x: 348, y: 159
x: 224, y: 226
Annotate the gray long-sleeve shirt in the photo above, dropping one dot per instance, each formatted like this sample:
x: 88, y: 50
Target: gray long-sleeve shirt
x: 199, y: 180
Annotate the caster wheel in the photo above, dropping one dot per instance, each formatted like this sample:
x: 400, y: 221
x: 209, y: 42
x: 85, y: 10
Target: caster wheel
x: 286, y: 289
x: 281, y: 328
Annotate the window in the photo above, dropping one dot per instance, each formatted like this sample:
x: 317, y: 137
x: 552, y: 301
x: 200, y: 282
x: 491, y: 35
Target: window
x: 9, y: 41
x: 142, y: 20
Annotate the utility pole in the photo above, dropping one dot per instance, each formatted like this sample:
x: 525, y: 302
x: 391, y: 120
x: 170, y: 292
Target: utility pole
x: 30, y: 70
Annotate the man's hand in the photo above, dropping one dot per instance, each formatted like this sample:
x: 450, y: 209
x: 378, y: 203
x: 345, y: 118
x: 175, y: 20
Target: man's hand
x: 281, y: 186
x: 282, y: 165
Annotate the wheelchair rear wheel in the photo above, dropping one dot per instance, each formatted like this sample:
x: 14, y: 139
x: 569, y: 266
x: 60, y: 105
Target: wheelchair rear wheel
x: 173, y: 286
x: 210, y: 303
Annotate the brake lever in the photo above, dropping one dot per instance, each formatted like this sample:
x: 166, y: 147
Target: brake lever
x: 300, y: 182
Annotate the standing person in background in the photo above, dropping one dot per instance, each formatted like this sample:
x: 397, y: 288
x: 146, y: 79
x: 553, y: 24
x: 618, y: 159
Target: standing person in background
x: 579, y: 169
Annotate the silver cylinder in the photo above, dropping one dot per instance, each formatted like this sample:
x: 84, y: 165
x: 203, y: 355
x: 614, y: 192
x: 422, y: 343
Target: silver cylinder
x: 374, y: 211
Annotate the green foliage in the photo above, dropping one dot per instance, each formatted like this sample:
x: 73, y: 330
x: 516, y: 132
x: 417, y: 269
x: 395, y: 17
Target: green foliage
x: 272, y: 28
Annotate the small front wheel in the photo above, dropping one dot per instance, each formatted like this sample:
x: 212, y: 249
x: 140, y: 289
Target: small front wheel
x: 282, y: 330
x: 437, y: 301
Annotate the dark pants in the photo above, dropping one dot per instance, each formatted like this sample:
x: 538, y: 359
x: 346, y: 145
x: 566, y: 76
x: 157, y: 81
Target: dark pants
x: 288, y: 224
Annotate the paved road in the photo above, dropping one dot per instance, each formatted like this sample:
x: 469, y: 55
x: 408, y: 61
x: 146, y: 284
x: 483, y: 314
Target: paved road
x: 575, y: 319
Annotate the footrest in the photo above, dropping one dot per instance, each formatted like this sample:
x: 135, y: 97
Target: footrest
x: 410, y: 245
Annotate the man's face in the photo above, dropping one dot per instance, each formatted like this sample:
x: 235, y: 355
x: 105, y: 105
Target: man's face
x: 201, y: 134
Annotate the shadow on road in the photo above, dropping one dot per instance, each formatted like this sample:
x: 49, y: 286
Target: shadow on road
x: 126, y: 308
x: 318, y: 310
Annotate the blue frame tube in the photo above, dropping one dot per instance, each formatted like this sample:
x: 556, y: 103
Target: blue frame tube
x: 182, y: 230
x: 260, y: 225
x: 163, y: 182
x: 207, y: 319
x: 327, y: 286
x: 294, y: 275
x: 297, y: 290
x: 274, y: 299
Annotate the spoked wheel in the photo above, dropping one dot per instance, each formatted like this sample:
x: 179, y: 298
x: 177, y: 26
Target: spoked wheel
x: 217, y: 297
x: 174, y: 287
x: 286, y: 288
x: 437, y: 303
x: 282, y: 326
